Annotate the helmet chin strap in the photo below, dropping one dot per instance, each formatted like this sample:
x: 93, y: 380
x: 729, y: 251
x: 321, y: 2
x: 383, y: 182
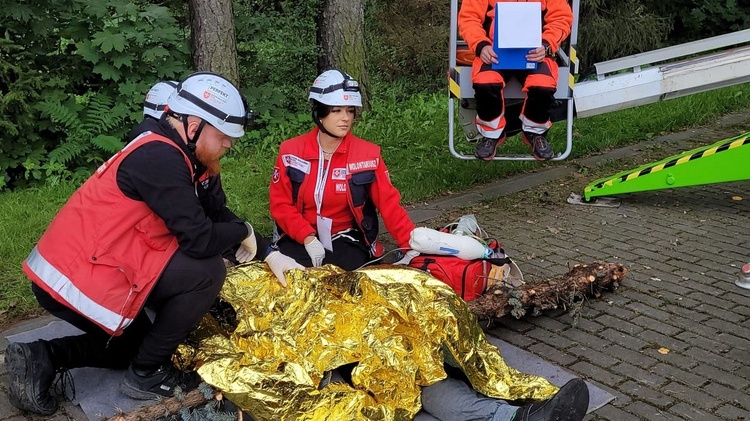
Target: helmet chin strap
x: 319, y: 123
x: 191, y: 142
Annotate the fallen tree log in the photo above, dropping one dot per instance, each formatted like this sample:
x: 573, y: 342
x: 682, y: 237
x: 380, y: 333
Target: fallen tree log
x: 562, y: 291
x: 171, y: 407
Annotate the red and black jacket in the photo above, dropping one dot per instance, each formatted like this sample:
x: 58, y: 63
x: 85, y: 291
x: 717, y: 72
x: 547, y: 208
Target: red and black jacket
x: 361, y: 173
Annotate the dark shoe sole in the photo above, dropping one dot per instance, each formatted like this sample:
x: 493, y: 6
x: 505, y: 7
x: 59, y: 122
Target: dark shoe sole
x: 20, y: 393
x: 541, y: 159
x: 132, y: 391
x: 572, y: 401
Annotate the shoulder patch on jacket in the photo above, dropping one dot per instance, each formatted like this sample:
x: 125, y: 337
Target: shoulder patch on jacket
x: 296, y: 162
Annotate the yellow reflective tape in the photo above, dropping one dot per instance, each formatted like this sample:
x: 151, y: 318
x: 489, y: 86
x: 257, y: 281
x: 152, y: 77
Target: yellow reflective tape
x: 683, y: 160
x: 709, y: 152
x: 455, y: 89
x: 737, y: 143
x: 453, y: 82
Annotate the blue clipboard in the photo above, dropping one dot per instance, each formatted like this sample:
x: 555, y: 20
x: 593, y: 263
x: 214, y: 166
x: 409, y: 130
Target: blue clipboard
x: 513, y: 59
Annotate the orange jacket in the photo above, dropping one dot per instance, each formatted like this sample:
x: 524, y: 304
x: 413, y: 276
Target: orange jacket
x: 103, y: 260
x: 358, y: 171
x: 477, y: 17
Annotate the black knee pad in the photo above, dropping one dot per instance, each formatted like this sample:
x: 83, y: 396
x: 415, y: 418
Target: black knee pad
x: 489, y: 100
x: 539, y: 104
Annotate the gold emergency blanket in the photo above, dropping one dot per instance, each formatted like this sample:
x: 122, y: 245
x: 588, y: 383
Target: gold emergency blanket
x: 398, y: 324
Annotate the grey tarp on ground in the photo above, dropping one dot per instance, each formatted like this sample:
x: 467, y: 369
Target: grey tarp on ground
x: 98, y: 393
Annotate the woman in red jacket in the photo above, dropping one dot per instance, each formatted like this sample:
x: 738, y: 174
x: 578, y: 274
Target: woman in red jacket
x: 327, y: 185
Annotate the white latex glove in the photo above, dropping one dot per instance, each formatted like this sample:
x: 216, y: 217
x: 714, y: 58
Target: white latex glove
x: 407, y: 257
x: 280, y: 263
x: 316, y: 251
x: 248, y: 248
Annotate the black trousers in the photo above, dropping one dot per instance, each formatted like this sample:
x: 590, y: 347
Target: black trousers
x: 182, y: 295
x: 349, y: 251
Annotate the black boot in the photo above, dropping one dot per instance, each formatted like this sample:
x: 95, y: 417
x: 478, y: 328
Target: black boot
x: 570, y: 403
x: 31, y: 373
x: 157, y: 383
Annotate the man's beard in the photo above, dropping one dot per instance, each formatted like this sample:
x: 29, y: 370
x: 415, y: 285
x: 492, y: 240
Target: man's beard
x: 210, y: 162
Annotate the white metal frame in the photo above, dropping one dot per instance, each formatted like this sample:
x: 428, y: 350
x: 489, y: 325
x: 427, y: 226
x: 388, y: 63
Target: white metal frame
x: 564, y: 88
x: 625, y: 82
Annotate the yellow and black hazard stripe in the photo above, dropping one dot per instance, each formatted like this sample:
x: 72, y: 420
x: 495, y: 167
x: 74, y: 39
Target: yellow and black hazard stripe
x: 573, y: 62
x: 454, y: 82
x: 677, y: 160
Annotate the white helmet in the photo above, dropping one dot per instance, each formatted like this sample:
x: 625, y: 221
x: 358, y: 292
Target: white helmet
x: 337, y: 89
x: 156, y: 98
x: 214, y: 99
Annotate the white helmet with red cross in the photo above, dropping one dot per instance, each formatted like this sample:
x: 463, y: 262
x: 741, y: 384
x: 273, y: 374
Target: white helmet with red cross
x: 336, y: 89
x: 215, y: 100
x: 156, y: 98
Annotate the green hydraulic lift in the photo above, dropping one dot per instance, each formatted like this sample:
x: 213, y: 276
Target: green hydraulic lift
x: 659, y: 75
x: 724, y: 161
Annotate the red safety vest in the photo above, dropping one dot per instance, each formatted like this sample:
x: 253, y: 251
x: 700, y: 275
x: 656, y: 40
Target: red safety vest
x: 103, y: 252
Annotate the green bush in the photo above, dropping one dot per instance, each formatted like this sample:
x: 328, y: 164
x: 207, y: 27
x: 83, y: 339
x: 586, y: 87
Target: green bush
x: 610, y: 29
x: 73, y: 75
x: 697, y: 19
x: 277, y: 54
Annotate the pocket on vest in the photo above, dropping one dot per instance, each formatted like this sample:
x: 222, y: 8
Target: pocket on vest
x: 358, y: 185
x: 154, y: 232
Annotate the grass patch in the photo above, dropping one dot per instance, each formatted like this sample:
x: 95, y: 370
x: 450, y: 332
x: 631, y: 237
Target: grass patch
x: 412, y: 133
x: 24, y: 216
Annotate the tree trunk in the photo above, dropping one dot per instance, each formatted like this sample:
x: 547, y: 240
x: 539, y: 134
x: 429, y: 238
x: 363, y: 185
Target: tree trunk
x: 163, y: 408
x: 341, y: 39
x: 214, y: 46
x: 562, y: 291
x: 170, y: 408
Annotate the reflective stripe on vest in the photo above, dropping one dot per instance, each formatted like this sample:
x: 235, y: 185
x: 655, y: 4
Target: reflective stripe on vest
x: 60, y: 283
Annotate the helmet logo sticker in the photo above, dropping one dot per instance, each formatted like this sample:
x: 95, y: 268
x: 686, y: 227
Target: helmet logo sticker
x: 346, y: 97
x: 218, y: 91
x: 215, y: 95
x: 276, y: 175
